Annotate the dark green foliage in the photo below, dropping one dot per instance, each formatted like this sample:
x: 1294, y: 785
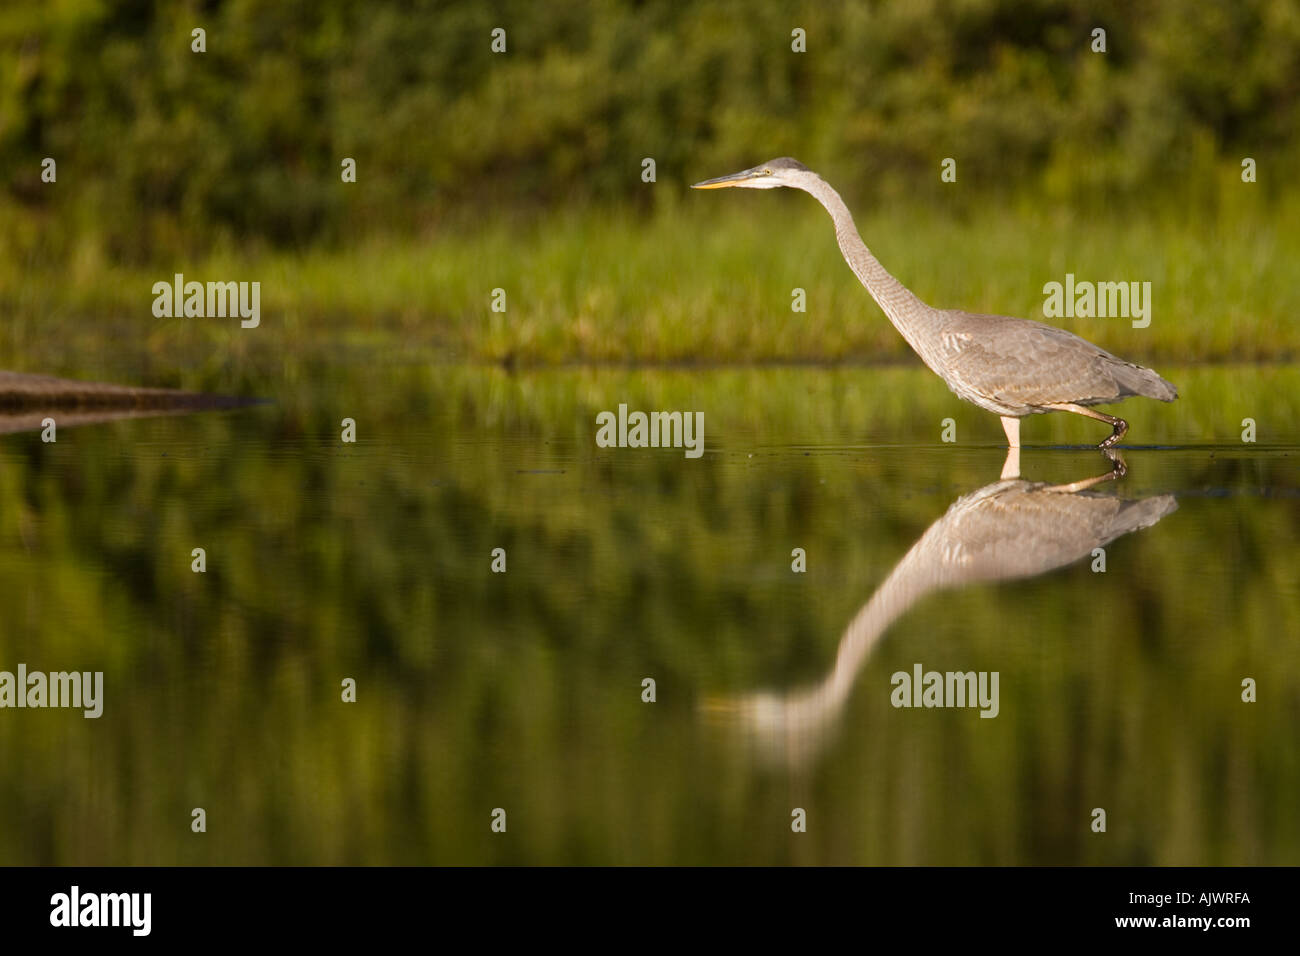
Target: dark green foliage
x: 163, y: 150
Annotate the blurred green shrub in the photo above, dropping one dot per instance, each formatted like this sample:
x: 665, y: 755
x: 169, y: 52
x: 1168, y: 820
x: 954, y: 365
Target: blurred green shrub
x: 162, y: 151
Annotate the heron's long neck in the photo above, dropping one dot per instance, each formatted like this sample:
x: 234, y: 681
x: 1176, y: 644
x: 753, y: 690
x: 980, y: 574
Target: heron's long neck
x: 909, y: 314
x: 912, y: 578
x: 813, y: 711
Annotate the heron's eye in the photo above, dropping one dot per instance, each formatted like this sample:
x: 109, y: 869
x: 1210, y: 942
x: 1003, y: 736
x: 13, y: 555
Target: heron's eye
x: 767, y: 172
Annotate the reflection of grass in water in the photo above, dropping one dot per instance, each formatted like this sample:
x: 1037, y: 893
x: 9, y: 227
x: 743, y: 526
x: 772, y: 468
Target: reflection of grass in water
x: 523, y: 691
x: 708, y: 278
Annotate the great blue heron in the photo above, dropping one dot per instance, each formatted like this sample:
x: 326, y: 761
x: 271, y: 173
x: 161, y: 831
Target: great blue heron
x: 1012, y: 367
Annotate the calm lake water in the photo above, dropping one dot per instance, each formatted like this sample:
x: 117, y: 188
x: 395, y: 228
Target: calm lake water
x: 523, y: 691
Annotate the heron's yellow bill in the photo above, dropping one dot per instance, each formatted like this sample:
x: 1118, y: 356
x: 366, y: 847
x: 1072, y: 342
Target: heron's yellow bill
x: 722, y: 182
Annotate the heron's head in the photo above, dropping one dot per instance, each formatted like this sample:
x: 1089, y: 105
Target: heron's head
x: 776, y: 172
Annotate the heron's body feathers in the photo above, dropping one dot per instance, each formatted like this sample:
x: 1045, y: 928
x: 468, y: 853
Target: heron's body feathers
x: 1018, y: 367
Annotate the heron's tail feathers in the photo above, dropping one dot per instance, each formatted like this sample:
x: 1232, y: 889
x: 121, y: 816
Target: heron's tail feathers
x: 1136, y: 380
x: 1142, y: 513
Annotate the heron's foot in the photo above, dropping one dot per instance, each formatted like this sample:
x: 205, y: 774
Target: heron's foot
x: 1117, y: 471
x: 1121, y: 429
x: 1119, y: 468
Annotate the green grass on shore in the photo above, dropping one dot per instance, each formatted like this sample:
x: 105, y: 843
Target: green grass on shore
x: 705, y: 278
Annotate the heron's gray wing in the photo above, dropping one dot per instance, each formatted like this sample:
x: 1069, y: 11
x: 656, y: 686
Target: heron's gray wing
x: 1017, y: 529
x: 1024, y: 364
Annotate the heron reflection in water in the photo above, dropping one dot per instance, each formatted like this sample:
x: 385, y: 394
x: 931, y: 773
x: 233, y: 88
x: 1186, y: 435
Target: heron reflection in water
x: 1007, y: 530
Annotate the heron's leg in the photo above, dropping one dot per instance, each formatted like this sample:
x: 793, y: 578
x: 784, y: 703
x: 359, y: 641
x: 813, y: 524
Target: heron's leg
x: 1118, y: 424
x: 1118, y: 470
x: 1011, y: 468
x: 1012, y: 427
